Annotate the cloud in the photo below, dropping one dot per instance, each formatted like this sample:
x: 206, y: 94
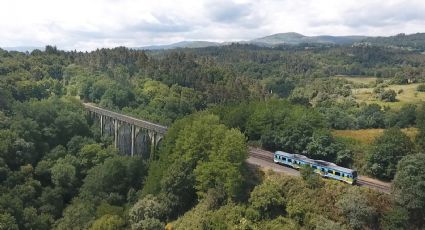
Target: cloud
x: 162, y: 24
x: 378, y: 14
x: 87, y: 25
x: 228, y: 11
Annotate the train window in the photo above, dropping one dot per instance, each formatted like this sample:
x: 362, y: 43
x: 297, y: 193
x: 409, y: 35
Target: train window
x: 289, y: 160
x: 322, y: 169
x: 284, y: 159
x: 314, y: 166
x: 337, y: 173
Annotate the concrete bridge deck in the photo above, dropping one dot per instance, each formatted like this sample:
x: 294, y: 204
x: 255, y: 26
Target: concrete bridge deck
x: 127, y: 119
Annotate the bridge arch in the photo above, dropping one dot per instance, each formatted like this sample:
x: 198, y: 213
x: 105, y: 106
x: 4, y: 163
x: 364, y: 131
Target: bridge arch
x: 132, y: 136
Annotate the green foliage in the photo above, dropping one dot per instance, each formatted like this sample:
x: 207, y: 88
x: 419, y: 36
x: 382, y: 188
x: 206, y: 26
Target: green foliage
x: 108, y: 222
x: 387, y: 150
x: 355, y: 208
x: 310, y: 177
x: 403, y: 118
x: 63, y: 174
x: 421, y: 88
x: 409, y: 189
x: 8, y: 222
x: 199, y: 154
x: 111, y: 180
x: 371, y: 116
x: 77, y: 215
x: 420, y: 121
x: 53, y: 171
x: 396, y: 219
x: 147, y: 213
x: 268, y: 199
x: 387, y: 95
x: 278, y: 125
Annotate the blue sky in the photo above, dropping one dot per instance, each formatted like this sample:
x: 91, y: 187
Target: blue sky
x: 91, y: 24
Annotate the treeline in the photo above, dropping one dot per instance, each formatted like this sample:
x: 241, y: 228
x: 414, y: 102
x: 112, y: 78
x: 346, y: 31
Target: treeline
x: 279, y: 125
x: 404, y: 41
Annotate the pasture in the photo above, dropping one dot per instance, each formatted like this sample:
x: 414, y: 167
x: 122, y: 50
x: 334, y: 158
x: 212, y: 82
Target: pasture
x: 406, y: 94
x: 367, y: 136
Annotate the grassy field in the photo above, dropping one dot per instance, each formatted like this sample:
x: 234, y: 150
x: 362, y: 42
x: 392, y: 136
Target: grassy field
x: 405, y: 94
x: 367, y: 136
x: 359, y: 141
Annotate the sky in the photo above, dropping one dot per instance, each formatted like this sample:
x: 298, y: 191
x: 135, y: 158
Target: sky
x: 91, y: 24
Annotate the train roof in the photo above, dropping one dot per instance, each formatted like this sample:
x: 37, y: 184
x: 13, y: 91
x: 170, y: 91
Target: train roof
x: 315, y: 162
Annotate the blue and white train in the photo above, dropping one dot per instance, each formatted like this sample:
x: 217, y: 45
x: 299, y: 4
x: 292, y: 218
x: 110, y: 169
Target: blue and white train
x: 324, y: 168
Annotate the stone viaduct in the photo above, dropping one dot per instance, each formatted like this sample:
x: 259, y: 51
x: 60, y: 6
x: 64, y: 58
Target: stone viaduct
x: 131, y: 136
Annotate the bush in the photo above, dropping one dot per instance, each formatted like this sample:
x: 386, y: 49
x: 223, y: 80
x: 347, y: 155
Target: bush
x: 387, y: 95
x: 421, y: 88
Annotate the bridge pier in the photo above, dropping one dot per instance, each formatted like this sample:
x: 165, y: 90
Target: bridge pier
x: 142, y: 136
x: 133, y: 141
x: 101, y: 125
x: 116, y: 133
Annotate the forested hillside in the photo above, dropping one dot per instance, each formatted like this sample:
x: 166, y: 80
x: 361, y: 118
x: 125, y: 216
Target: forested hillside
x: 411, y: 41
x: 58, y: 172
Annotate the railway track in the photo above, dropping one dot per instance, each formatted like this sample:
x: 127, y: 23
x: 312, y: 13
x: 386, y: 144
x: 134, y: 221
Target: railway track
x: 376, y: 186
x: 361, y: 181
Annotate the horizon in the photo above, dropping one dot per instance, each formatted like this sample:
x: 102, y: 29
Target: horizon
x: 31, y: 48
x: 85, y: 26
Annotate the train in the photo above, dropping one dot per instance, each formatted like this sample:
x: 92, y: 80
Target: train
x: 324, y: 168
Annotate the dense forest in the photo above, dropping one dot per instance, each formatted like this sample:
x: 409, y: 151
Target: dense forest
x: 58, y: 172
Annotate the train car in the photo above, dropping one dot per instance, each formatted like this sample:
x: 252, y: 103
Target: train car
x: 324, y: 168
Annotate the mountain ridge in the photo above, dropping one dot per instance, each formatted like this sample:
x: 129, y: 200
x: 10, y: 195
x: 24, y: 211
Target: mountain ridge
x: 414, y: 41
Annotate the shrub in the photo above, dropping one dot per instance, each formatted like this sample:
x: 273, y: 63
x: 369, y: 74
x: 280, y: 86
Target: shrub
x: 421, y: 88
x: 387, y: 95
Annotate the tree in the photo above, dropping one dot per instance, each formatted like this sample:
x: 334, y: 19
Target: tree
x: 6, y: 98
x: 420, y: 122
x: 78, y: 215
x: 421, y: 88
x: 388, y: 95
x: 355, y: 208
x: 63, y: 174
x: 404, y: 118
x: 310, y: 177
x: 370, y: 116
x: 7, y: 222
x: 387, y: 150
x: 147, y: 213
x: 409, y: 187
x: 268, y: 199
x: 93, y: 154
x: 108, y: 222
x: 224, y: 168
x: 396, y: 219
x: 191, y: 151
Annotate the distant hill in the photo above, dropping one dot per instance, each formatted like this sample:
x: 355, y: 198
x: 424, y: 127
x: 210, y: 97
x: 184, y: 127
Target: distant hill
x: 411, y: 41
x: 271, y: 40
x: 295, y: 38
x: 182, y: 44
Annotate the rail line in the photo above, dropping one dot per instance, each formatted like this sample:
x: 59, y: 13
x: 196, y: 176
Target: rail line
x: 379, y: 187
x: 268, y: 156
